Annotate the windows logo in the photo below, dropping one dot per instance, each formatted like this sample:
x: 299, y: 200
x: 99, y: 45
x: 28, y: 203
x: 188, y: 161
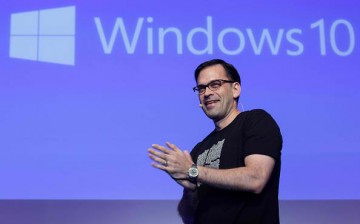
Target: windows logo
x: 44, y: 35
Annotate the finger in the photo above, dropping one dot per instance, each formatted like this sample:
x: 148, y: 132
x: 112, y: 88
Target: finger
x: 159, y: 166
x: 161, y: 148
x: 159, y: 160
x: 157, y: 153
x: 172, y: 146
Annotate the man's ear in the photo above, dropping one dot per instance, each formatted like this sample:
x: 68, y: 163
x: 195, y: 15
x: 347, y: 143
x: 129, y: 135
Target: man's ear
x: 236, y: 90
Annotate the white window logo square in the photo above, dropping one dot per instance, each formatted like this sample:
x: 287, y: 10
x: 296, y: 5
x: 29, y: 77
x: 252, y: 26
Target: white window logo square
x: 44, y: 35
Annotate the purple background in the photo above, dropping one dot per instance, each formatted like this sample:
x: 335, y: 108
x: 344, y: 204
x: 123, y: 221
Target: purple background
x: 81, y: 132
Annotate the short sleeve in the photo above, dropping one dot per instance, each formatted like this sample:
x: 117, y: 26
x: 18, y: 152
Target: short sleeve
x: 262, y: 135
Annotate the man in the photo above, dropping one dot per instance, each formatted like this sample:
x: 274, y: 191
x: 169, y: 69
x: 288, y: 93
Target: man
x: 232, y: 176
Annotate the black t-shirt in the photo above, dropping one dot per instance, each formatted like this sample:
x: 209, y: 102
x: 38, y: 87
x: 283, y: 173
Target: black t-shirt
x: 251, y: 132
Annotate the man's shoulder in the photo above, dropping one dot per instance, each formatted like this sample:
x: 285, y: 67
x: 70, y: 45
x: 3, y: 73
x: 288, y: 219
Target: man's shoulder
x: 256, y: 112
x: 258, y: 115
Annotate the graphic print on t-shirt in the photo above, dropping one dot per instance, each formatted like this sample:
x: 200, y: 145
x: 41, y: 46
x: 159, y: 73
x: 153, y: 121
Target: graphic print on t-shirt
x: 211, y: 157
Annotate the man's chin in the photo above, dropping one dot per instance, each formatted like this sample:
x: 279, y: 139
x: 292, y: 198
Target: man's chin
x: 213, y: 116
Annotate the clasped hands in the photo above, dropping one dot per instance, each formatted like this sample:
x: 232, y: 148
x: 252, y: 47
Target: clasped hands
x: 172, y: 160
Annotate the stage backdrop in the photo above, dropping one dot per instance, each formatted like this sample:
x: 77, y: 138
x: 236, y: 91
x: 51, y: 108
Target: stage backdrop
x: 87, y: 86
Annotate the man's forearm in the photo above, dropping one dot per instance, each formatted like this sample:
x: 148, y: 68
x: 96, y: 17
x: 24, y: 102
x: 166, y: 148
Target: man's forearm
x: 232, y: 179
x: 252, y: 177
x: 186, y: 184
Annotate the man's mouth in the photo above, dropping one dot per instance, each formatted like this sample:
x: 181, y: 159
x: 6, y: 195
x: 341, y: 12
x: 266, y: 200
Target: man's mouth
x: 210, y: 102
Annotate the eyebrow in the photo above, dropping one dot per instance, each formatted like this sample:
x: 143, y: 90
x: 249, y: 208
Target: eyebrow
x: 209, y: 82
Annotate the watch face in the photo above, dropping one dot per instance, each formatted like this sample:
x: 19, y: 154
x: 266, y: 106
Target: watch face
x: 193, y: 172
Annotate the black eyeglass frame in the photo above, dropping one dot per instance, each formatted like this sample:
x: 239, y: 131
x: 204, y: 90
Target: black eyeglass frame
x: 201, y: 89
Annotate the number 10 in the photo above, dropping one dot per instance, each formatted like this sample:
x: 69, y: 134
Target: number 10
x: 333, y: 41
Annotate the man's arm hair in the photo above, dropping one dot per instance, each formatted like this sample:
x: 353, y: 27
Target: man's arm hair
x: 253, y: 177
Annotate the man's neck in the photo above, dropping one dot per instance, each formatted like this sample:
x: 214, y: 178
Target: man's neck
x: 221, y: 124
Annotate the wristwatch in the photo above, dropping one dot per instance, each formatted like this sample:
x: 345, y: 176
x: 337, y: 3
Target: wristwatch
x: 193, y: 173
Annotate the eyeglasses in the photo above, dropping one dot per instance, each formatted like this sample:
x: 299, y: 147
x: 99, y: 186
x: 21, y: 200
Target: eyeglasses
x: 213, y: 85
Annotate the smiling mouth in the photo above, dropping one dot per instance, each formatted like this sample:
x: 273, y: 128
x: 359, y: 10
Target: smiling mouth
x: 210, y: 102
